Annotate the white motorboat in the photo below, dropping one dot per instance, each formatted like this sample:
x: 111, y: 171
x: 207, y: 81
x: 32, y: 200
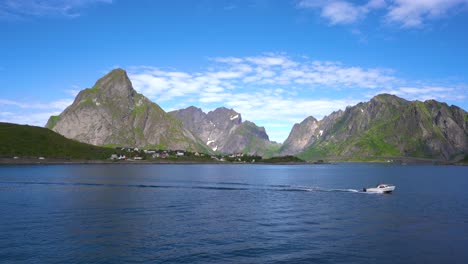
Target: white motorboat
x: 381, y: 188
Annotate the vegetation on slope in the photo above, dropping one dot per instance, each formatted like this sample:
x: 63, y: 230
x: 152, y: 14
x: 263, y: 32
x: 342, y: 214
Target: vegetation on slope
x: 31, y: 141
x: 389, y: 126
x: 282, y: 159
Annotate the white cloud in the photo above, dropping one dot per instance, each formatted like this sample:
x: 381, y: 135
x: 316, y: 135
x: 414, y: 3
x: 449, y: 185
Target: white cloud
x: 276, y: 88
x: 407, y: 13
x: 414, y: 13
x: 270, y: 90
x: 259, y: 71
x: 31, y: 113
x: 422, y: 93
x: 26, y: 118
x: 58, y: 104
x: 260, y: 87
x: 340, y: 11
x: 17, y: 9
x: 267, y: 105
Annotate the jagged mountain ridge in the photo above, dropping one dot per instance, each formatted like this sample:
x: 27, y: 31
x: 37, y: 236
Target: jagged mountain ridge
x: 112, y: 113
x: 385, y: 126
x: 223, y: 130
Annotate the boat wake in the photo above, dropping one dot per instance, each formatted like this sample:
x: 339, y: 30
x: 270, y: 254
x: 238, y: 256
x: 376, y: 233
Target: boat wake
x: 219, y: 186
x: 319, y: 189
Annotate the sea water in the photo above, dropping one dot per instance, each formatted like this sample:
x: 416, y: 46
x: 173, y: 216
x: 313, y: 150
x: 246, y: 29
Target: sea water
x: 233, y: 214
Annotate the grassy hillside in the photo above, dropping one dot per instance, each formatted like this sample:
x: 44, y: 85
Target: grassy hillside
x: 282, y: 159
x: 31, y: 141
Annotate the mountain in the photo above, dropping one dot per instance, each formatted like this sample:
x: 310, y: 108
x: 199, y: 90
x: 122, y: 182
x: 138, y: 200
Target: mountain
x: 112, y: 113
x: 223, y: 130
x: 386, y: 126
x: 302, y: 135
x: 32, y: 141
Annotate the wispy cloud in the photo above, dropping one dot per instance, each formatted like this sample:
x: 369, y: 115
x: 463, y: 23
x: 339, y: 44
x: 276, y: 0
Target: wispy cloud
x: 412, y: 13
x: 31, y: 113
x: 426, y: 92
x: 342, y: 12
x: 258, y: 71
x: 24, y: 118
x: 274, y: 88
x: 58, y: 104
x: 19, y: 9
x: 258, y: 86
x: 406, y: 13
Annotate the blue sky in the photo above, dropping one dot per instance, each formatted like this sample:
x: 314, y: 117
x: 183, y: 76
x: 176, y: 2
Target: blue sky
x: 276, y: 62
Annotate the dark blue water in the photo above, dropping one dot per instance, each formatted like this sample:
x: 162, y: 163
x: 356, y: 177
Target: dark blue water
x: 232, y: 214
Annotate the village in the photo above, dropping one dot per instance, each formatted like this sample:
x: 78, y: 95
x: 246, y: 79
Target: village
x: 137, y: 154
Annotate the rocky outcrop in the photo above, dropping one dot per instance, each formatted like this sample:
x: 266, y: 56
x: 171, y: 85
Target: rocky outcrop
x: 223, y: 130
x: 112, y: 113
x: 302, y: 135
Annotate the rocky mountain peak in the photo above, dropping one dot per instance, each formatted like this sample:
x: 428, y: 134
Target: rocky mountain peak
x: 386, y: 100
x: 223, y: 130
x: 224, y: 117
x: 113, y: 113
x: 115, y: 84
x: 302, y: 135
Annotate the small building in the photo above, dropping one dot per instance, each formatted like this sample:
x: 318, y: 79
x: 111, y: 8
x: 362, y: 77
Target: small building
x: 137, y: 158
x: 41, y: 158
x: 114, y: 157
x: 180, y: 153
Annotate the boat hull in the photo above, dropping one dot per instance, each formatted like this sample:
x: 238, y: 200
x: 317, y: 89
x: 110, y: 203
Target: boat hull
x: 387, y: 189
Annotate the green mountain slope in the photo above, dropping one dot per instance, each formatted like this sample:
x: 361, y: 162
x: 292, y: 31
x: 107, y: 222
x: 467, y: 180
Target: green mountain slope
x: 31, y: 141
x: 388, y: 126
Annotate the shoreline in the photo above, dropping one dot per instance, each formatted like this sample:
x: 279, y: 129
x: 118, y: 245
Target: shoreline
x: 24, y: 161
x: 33, y: 161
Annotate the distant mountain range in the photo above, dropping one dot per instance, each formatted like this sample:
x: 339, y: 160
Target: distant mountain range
x: 223, y: 130
x: 386, y: 126
x: 112, y: 113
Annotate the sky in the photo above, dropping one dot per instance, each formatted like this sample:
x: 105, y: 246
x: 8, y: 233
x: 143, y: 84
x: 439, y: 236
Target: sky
x: 274, y: 61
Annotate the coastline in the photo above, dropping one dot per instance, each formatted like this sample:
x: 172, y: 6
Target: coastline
x: 32, y: 161
x: 35, y: 161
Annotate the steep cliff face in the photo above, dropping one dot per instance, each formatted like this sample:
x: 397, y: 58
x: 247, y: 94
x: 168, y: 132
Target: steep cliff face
x: 302, y: 135
x: 113, y: 113
x: 388, y: 126
x: 223, y: 130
